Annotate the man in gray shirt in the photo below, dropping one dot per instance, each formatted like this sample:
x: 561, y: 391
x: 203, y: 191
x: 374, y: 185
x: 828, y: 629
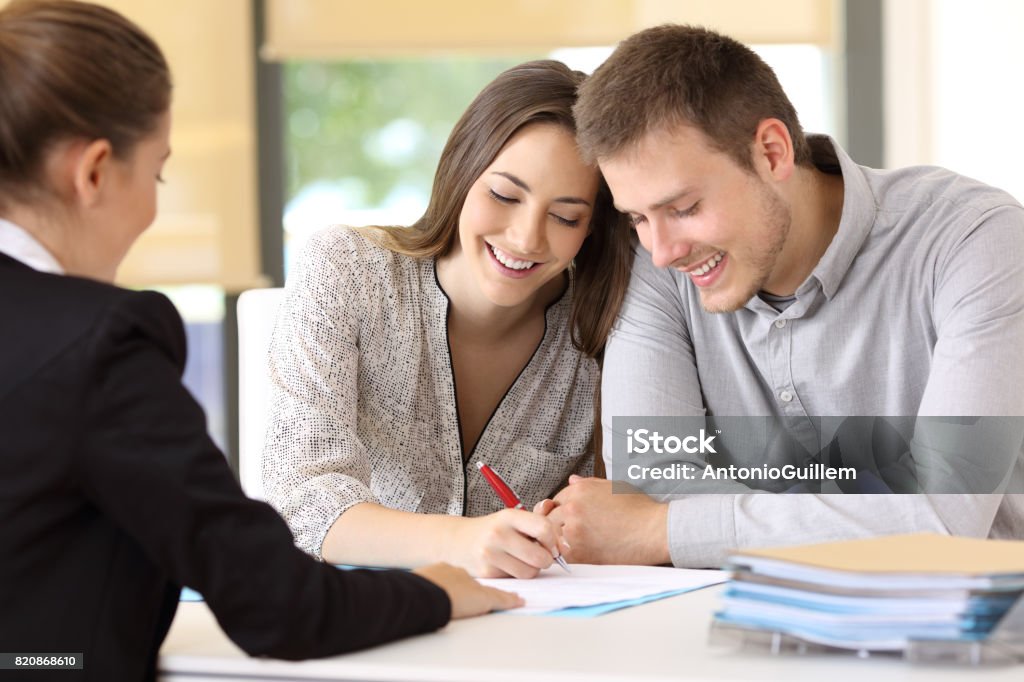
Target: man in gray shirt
x: 778, y: 278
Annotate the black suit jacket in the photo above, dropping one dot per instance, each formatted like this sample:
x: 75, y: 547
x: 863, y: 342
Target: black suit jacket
x: 112, y: 497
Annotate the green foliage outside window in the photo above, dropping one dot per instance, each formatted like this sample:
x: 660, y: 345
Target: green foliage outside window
x: 371, y: 127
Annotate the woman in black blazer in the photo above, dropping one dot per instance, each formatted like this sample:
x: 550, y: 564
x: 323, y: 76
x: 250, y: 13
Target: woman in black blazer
x: 112, y: 496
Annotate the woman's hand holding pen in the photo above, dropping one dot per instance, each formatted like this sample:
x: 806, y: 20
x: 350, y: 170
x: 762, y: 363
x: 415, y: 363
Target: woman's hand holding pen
x: 511, y: 542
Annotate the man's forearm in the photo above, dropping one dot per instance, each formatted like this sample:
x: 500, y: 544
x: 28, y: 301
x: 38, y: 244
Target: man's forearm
x: 703, y: 529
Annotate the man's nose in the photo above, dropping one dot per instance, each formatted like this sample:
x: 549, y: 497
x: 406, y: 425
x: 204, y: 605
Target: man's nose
x: 667, y: 246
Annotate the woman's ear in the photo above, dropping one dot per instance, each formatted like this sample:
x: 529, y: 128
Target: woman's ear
x: 92, y: 164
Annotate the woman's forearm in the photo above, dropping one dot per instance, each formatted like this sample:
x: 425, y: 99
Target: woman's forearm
x: 511, y: 542
x: 369, y: 534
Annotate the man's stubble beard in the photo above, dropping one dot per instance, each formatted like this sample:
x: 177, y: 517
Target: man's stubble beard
x: 777, y: 221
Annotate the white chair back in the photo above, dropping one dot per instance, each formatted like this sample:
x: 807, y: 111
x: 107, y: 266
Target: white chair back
x: 257, y: 313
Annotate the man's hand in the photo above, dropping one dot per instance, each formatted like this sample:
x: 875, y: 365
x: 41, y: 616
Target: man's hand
x: 600, y: 527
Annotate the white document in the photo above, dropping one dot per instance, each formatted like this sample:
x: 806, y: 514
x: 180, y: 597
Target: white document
x: 590, y: 585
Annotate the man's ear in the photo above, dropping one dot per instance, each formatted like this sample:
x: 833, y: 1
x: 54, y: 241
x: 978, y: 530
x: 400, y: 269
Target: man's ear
x: 92, y: 165
x: 773, y: 149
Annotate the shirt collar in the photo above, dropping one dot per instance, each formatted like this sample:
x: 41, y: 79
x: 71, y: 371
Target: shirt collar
x: 20, y: 245
x: 858, y: 215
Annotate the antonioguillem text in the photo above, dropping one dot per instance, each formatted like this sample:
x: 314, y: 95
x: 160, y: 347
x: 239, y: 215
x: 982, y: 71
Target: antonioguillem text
x: 688, y: 472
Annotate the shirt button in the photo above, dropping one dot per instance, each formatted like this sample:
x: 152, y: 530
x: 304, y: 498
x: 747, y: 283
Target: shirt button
x: 779, y: 324
x: 785, y: 396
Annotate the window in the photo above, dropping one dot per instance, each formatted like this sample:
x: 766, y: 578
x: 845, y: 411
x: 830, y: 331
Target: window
x: 363, y: 137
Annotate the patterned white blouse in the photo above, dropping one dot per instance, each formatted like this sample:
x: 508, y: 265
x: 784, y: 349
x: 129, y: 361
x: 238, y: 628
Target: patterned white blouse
x: 363, y: 406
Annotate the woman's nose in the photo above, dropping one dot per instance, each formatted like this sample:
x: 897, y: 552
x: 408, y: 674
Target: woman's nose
x: 527, y: 234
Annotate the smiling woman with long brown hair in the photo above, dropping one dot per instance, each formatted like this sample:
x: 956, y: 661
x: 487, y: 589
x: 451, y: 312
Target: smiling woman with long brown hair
x: 405, y: 357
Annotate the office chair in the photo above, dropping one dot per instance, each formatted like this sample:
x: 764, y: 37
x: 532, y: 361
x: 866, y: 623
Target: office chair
x: 257, y: 313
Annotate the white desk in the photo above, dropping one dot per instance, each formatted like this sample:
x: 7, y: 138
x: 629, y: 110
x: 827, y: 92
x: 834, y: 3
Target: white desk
x: 663, y: 640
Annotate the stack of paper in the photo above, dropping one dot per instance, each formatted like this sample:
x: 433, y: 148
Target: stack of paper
x: 876, y: 594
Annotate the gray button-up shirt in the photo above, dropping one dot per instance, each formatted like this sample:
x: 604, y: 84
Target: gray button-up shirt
x: 916, y: 308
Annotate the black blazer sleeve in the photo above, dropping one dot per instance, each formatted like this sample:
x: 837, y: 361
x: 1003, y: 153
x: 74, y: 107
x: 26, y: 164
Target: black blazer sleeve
x: 149, y: 465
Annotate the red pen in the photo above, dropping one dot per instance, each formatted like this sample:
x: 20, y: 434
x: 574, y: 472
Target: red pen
x: 509, y: 497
